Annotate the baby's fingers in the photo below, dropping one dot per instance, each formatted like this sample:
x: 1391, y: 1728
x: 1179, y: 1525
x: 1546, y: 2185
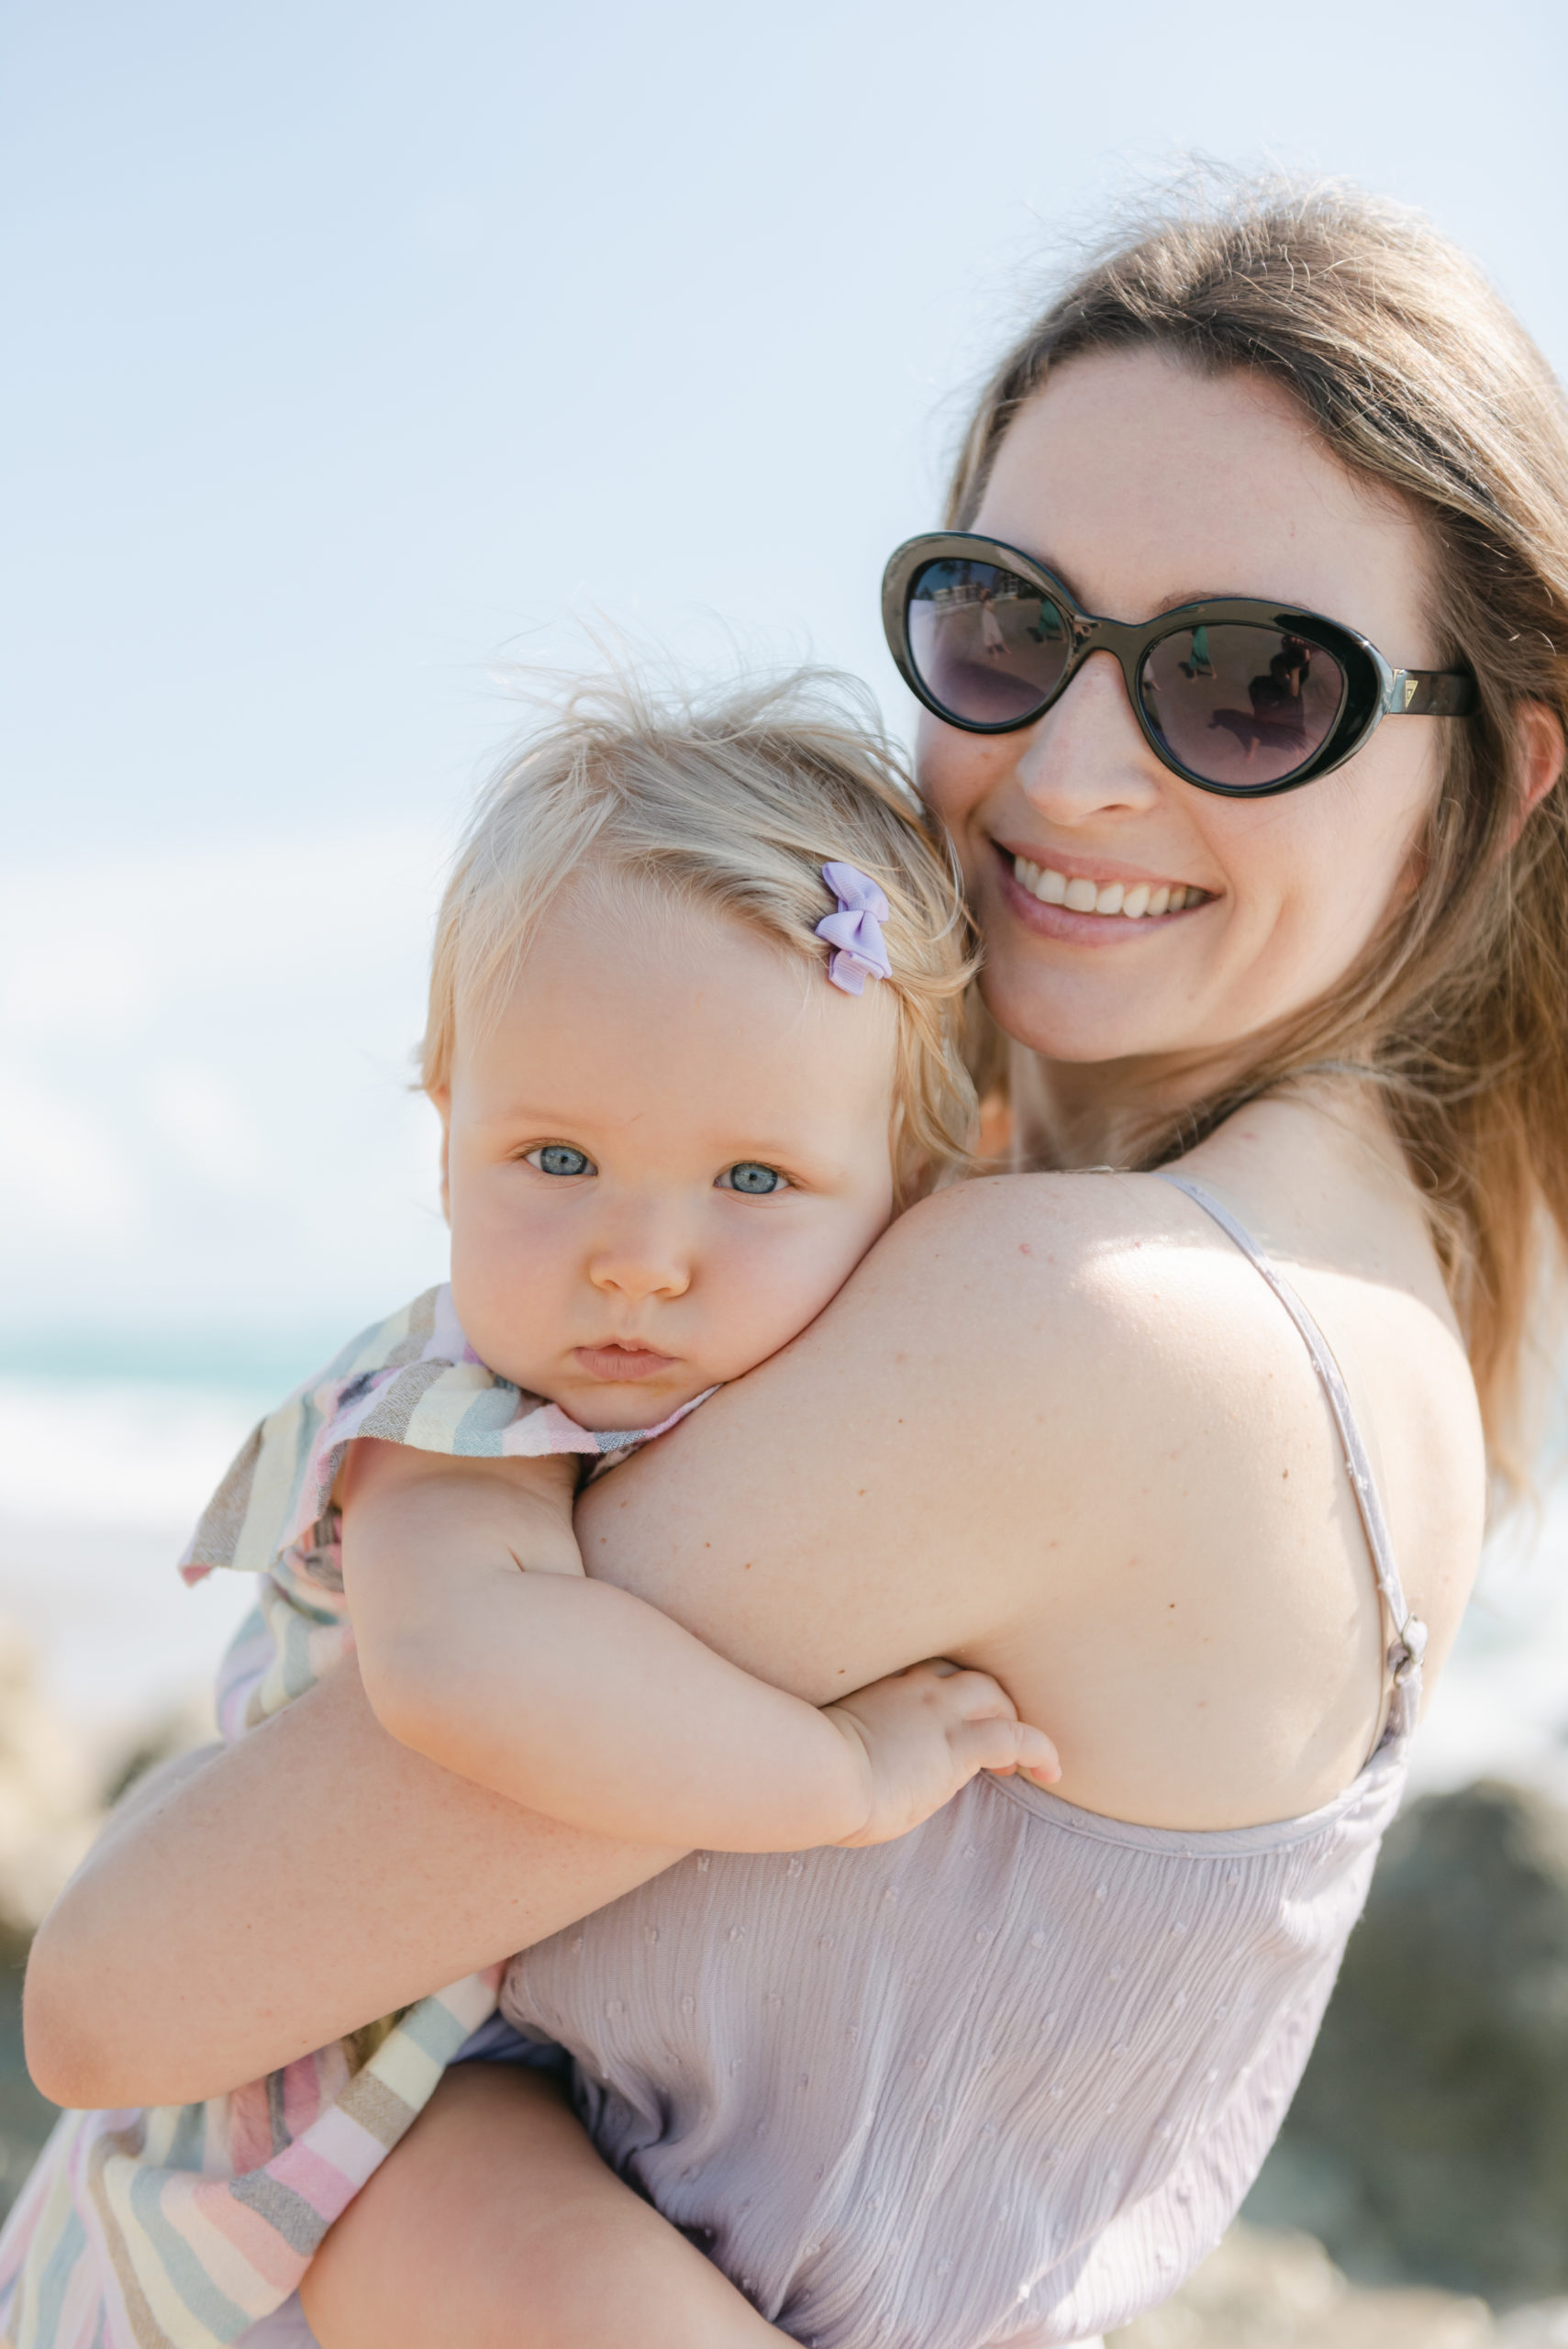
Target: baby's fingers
x: 989, y: 1734
x: 969, y: 1696
x: 1003, y: 1744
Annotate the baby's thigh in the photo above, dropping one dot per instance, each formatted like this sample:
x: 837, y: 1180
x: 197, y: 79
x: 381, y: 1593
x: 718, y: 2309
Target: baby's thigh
x: 494, y: 2225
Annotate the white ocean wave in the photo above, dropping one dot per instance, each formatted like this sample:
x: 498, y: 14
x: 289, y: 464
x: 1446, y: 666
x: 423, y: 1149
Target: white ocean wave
x: 100, y: 1483
x: 116, y: 1451
x: 117, y: 1637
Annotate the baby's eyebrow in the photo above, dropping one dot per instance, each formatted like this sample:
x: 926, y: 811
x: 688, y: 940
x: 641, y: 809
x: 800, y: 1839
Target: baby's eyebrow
x: 534, y: 1113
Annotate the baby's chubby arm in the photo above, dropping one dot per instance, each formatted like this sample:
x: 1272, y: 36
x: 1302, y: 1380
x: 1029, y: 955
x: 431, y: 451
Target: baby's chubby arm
x: 575, y: 1699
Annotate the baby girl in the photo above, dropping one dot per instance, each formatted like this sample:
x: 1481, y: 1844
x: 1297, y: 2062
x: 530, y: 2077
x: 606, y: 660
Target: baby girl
x: 695, y: 1038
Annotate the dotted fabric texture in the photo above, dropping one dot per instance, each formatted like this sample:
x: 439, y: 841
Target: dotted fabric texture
x: 1004, y: 2080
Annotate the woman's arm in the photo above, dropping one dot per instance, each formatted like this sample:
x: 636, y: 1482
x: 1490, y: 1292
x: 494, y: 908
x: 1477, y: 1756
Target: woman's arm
x: 314, y: 1875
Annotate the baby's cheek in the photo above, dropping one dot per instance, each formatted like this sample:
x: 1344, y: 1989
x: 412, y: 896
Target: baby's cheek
x: 769, y: 1301
x: 500, y: 1301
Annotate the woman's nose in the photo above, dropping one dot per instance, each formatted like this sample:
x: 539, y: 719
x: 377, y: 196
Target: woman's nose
x: 1087, y: 755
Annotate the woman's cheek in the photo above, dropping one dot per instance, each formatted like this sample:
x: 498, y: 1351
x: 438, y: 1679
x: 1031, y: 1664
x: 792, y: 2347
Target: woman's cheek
x: 951, y: 775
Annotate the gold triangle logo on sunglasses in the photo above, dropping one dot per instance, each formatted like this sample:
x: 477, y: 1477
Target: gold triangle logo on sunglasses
x: 1234, y: 693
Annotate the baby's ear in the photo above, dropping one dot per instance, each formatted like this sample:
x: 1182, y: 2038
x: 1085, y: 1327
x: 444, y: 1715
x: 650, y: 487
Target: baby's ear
x: 442, y: 1099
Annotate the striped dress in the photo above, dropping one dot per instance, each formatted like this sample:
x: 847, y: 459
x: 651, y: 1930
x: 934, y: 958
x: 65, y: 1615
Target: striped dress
x: 182, y: 2227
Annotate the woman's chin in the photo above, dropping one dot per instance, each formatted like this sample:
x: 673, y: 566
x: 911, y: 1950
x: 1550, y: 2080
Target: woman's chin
x: 1076, y: 1024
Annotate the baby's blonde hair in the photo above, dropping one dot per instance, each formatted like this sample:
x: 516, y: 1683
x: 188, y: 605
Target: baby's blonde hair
x: 734, y: 799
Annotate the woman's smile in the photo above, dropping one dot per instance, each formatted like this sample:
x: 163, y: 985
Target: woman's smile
x: 1091, y: 901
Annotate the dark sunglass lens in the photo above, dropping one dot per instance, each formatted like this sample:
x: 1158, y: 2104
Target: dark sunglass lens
x: 987, y: 646
x: 1241, y: 705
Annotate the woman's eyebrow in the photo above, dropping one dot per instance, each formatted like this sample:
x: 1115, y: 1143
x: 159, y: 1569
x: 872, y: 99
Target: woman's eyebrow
x: 1155, y: 611
x: 1057, y: 571
x: 1174, y: 603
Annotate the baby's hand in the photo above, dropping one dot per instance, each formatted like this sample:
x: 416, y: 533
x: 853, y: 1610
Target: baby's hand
x: 924, y: 1733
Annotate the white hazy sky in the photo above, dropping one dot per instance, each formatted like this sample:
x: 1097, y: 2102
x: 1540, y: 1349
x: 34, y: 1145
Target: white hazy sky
x: 353, y: 350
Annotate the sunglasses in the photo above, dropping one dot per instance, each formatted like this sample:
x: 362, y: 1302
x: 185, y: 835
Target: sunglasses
x: 1232, y: 693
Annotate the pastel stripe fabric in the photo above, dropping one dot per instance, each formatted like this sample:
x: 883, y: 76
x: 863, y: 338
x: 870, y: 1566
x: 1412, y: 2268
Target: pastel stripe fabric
x: 413, y: 1379
x: 181, y: 2228
x: 187, y: 2224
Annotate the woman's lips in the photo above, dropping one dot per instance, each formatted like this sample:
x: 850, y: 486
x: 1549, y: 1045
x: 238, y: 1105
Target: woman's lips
x: 1086, y: 929
x: 615, y: 1363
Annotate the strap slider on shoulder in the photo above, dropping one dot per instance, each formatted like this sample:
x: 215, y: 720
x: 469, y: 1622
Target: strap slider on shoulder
x: 1405, y: 1655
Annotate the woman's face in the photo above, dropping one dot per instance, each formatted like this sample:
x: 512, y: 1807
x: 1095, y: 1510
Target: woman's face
x: 1143, y: 484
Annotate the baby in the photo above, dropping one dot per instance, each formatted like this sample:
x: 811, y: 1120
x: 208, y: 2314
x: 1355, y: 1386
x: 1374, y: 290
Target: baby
x: 695, y: 1038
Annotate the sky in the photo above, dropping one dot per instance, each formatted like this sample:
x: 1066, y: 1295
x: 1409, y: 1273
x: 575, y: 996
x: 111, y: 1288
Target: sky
x: 362, y: 356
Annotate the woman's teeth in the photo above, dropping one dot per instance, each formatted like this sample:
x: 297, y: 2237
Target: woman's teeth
x: 1085, y: 896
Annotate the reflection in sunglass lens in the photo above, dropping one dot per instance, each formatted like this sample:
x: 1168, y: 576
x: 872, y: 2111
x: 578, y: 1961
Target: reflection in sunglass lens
x: 1241, y: 705
x: 986, y: 645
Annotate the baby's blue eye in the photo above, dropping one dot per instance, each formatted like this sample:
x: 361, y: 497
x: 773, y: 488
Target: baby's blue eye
x: 561, y: 1158
x: 754, y: 1180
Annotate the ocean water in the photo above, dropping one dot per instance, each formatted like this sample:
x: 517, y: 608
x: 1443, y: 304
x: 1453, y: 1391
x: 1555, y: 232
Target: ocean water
x: 101, y: 1477
x: 101, y: 1481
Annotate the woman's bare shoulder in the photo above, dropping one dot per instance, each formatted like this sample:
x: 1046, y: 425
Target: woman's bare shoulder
x: 996, y: 1366
x: 1059, y: 1427
x: 1206, y: 1641
x: 1078, y: 1278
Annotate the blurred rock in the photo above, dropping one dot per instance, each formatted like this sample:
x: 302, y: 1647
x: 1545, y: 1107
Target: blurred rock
x: 49, y: 1802
x: 1545, y: 2327
x: 49, y: 1809
x: 56, y: 1783
x: 174, y: 1730
x: 1267, y: 2290
x: 53, y: 1792
x: 25, y: 2119
x: 1430, y: 2137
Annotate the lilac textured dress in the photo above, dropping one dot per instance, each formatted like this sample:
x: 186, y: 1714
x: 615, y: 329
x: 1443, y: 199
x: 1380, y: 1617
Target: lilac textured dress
x: 1005, y: 2080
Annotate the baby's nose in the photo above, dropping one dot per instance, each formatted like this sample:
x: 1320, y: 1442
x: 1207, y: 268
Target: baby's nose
x: 640, y: 1265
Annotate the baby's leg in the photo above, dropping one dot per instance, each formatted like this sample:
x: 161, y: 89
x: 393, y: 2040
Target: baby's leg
x: 494, y: 2225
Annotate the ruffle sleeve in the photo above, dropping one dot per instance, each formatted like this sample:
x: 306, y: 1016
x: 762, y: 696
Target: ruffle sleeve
x: 413, y: 1379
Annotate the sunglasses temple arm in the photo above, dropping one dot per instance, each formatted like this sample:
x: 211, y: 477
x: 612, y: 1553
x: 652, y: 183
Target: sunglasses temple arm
x: 1428, y: 692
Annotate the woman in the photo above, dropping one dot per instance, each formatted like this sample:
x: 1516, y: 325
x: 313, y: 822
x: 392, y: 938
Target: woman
x: 1057, y: 1426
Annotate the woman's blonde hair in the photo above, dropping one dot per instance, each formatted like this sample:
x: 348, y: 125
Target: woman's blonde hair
x: 1415, y: 374
x: 733, y: 799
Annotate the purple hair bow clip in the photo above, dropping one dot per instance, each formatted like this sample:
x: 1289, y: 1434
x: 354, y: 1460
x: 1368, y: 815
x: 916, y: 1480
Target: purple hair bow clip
x: 855, y: 930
